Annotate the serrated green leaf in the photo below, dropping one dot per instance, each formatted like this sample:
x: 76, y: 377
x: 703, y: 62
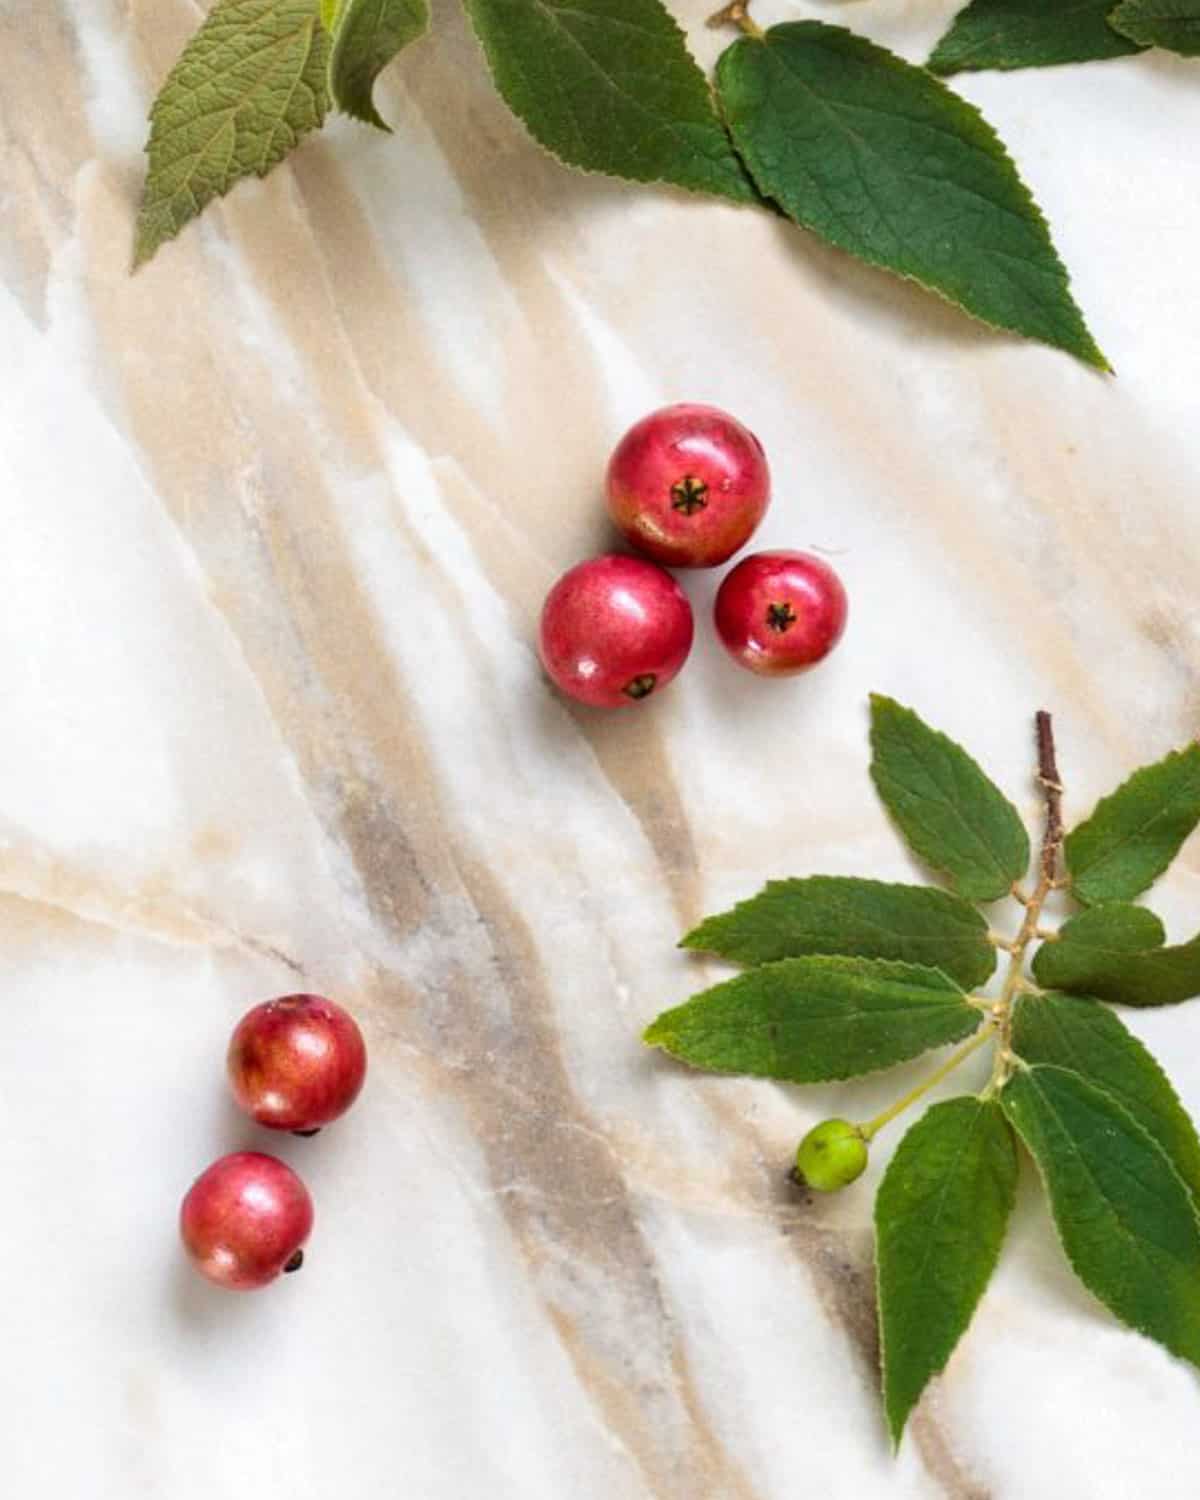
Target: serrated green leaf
x: 952, y: 815
x: 247, y: 87
x: 1125, y: 1217
x: 1028, y: 34
x: 882, y: 160
x: 807, y: 1020
x: 1116, y: 953
x: 609, y: 85
x: 1173, y: 24
x: 367, y: 36
x: 1087, y: 1038
x: 940, y: 1217
x: 860, y: 918
x: 1135, y: 833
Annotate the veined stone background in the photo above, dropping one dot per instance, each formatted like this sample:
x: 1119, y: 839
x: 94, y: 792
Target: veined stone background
x: 278, y: 515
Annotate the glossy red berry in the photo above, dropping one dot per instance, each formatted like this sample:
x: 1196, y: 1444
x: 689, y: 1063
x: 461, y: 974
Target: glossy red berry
x: 296, y: 1063
x: 688, y: 485
x: 780, y: 612
x: 614, y: 630
x: 245, y: 1219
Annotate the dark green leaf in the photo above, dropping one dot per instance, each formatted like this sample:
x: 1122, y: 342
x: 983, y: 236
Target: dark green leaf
x: 1087, y: 1038
x: 367, y: 36
x: 1029, y: 34
x: 609, y: 85
x: 811, y: 1019
x: 247, y: 86
x: 1115, y: 952
x: 1135, y: 833
x: 940, y: 1217
x: 1173, y: 24
x: 861, y: 918
x: 882, y: 160
x: 953, y: 816
x: 1124, y: 1214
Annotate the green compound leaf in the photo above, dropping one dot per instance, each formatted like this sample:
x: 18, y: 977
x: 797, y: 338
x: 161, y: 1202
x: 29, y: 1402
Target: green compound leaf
x: 807, y: 1020
x: 952, y: 815
x: 1029, y: 34
x: 1173, y: 24
x: 367, y: 36
x: 247, y: 87
x: 1086, y: 1038
x: 882, y: 160
x: 609, y: 86
x: 1135, y: 833
x: 940, y: 1217
x: 1116, y: 953
x: 860, y: 918
x: 1125, y: 1217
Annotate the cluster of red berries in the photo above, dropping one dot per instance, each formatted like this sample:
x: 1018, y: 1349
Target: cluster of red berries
x: 687, y: 486
x: 296, y: 1064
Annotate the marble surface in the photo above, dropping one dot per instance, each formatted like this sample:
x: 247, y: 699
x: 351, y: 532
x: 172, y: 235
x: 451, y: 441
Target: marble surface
x: 279, y: 513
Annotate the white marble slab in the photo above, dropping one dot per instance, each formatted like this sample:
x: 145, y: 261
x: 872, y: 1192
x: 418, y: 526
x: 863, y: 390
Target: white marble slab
x: 279, y: 513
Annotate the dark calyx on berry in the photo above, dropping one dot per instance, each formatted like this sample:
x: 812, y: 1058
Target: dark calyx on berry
x: 689, y: 494
x: 780, y: 617
x: 641, y: 687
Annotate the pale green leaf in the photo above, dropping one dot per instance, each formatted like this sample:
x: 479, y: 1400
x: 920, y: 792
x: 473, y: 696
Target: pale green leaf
x: 1173, y: 24
x: 817, y: 1018
x: 1125, y: 1217
x: 1116, y: 953
x: 609, y: 85
x: 952, y: 815
x: 884, y: 161
x: 1029, y: 34
x: 1086, y: 1037
x: 940, y: 1217
x: 864, y: 918
x: 1134, y: 834
x: 367, y: 36
x: 247, y: 87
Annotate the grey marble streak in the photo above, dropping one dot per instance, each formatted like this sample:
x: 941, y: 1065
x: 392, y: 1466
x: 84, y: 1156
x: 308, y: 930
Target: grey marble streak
x: 280, y: 512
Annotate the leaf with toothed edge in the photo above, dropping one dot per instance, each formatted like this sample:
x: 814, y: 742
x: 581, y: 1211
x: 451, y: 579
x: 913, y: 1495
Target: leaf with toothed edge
x: 1136, y: 831
x: 1117, y: 953
x: 247, y: 87
x: 860, y: 918
x: 1124, y: 1215
x: 1072, y: 1032
x: 367, y: 35
x: 609, y: 86
x: 940, y: 1219
x: 1171, y: 24
x: 1029, y: 34
x: 808, y: 1020
x: 954, y: 817
x: 884, y: 161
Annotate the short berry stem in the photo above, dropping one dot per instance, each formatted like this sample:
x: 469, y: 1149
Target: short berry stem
x: 872, y: 1127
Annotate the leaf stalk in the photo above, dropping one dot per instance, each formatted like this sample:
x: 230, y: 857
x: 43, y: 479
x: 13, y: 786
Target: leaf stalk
x: 737, y: 13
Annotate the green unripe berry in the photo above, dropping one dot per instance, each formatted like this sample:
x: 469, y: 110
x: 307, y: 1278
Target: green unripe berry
x: 831, y: 1156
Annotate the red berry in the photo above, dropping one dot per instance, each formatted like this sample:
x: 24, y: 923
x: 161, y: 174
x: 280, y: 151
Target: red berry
x: 688, y: 485
x: 614, y: 630
x: 296, y: 1063
x: 780, y: 612
x: 245, y: 1219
